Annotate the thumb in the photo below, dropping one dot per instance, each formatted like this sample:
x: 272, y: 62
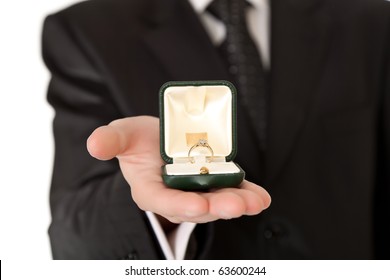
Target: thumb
x: 138, y: 134
x: 104, y: 143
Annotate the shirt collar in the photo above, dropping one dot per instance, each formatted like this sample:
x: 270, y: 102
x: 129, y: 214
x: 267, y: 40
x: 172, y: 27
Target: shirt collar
x: 201, y: 5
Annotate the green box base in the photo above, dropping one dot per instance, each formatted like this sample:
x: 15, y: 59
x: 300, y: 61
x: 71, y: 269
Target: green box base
x: 203, y: 182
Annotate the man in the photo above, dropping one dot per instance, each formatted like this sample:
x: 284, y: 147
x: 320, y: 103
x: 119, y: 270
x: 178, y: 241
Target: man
x: 326, y: 162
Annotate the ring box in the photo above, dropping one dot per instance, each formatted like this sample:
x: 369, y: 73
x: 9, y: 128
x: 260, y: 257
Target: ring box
x: 198, y: 135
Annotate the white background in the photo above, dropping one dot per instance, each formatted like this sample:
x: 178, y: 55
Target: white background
x: 25, y: 131
x: 26, y: 157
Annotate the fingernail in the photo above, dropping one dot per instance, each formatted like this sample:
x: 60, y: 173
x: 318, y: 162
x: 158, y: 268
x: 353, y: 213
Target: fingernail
x: 224, y: 215
x: 191, y: 214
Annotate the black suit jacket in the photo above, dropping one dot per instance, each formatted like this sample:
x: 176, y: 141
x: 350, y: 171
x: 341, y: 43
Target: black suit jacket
x: 327, y: 159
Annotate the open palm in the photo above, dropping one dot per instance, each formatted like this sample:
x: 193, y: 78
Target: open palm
x: 135, y: 142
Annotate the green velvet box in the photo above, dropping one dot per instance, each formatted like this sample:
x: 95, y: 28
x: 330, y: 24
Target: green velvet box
x: 198, y: 135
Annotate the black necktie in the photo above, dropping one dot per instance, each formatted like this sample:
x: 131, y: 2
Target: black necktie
x: 243, y: 60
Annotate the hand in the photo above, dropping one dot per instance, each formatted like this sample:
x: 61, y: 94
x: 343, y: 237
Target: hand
x: 135, y: 142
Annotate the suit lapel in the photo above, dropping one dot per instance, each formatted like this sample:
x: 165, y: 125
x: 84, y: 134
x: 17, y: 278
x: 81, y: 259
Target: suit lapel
x: 299, y: 44
x: 167, y: 35
x: 179, y: 42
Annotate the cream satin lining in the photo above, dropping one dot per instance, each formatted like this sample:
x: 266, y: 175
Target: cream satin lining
x: 198, y: 109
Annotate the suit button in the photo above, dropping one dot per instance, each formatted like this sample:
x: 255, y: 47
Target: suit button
x: 273, y: 231
x: 132, y: 256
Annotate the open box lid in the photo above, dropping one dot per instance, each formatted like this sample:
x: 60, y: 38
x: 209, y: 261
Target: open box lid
x: 191, y: 111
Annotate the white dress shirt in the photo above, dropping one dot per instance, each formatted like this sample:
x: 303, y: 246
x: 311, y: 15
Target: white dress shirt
x: 258, y: 18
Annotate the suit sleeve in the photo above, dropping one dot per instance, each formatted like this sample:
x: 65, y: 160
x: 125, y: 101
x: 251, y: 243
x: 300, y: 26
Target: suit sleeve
x: 93, y: 214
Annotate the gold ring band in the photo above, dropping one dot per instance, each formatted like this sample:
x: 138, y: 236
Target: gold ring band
x: 204, y: 144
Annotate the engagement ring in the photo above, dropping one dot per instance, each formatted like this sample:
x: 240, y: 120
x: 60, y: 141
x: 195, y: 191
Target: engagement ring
x: 203, y: 144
